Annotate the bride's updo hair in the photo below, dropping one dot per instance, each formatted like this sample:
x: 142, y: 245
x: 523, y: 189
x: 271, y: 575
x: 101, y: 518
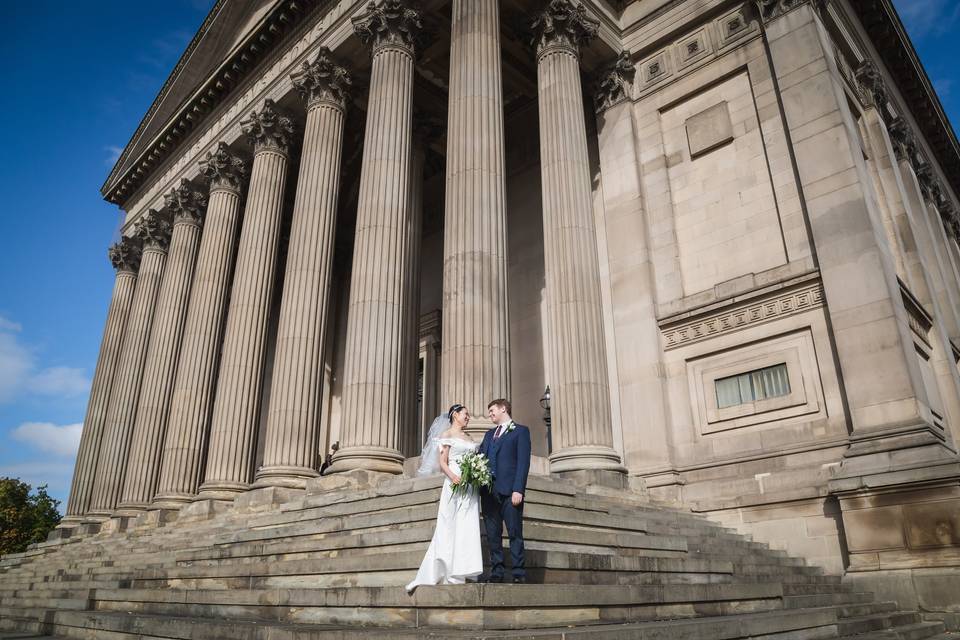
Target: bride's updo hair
x: 454, y: 409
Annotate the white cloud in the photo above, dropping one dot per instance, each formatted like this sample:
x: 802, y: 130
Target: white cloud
x: 20, y: 375
x: 925, y: 18
x: 15, y: 361
x: 113, y: 152
x: 59, y: 381
x: 50, y: 438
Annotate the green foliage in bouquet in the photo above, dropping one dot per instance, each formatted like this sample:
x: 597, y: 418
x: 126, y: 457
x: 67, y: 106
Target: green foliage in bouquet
x: 474, y: 473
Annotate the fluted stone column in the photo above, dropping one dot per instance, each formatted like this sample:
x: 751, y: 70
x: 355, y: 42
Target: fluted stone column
x: 582, y: 424
x: 125, y: 257
x: 181, y: 467
x: 475, y: 352
x: 154, y: 232
x: 382, y: 261
x: 290, y: 447
x: 236, y: 407
x: 187, y: 206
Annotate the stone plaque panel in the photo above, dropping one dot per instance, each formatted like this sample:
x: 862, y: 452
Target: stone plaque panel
x: 709, y: 129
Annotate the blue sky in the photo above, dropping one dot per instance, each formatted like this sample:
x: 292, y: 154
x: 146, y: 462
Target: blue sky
x: 79, y: 76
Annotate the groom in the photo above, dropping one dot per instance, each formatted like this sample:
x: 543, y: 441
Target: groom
x: 507, y: 446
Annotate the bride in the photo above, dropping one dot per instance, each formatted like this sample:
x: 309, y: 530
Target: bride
x: 454, y: 554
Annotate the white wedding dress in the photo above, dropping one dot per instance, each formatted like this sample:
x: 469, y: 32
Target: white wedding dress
x: 454, y: 554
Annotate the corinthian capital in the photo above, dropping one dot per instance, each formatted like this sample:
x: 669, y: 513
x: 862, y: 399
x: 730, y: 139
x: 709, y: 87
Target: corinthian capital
x: 904, y: 143
x: 186, y: 203
x: 564, y: 24
x: 770, y: 9
x: 125, y: 255
x: 223, y: 169
x: 930, y: 185
x: 392, y: 23
x: 615, y: 83
x: 154, y: 229
x: 874, y: 89
x: 268, y: 129
x: 323, y: 81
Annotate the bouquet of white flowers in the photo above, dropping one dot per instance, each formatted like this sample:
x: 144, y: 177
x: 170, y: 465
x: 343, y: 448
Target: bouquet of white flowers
x: 474, y: 473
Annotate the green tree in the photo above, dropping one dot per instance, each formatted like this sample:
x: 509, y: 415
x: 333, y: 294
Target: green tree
x: 25, y: 518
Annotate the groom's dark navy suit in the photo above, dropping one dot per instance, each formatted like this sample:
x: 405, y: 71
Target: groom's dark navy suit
x: 509, y: 457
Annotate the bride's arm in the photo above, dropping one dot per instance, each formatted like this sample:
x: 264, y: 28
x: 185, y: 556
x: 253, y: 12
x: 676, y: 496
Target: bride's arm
x: 445, y: 464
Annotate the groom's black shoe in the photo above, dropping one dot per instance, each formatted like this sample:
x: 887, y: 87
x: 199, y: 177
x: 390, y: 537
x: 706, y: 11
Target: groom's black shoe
x: 519, y: 580
x: 495, y: 579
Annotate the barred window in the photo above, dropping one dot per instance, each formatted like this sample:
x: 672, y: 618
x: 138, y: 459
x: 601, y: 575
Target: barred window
x: 769, y: 382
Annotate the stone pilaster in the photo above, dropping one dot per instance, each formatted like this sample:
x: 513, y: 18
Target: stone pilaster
x: 475, y: 351
x: 382, y: 261
x: 290, y: 447
x: 125, y: 257
x: 187, y: 206
x: 582, y: 425
x: 185, y: 442
x: 154, y: 231
x: 236, y: 407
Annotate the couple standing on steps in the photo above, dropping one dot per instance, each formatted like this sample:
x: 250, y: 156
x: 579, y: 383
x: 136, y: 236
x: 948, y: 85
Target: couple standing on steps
x: 454, y: 554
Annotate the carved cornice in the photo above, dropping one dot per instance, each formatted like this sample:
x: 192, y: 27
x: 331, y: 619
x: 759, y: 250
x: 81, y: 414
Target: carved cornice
x: 186, y: 203
x: 268, y: 129
x: 391, y: 24
x: 125, y: 255
x: 563, y: 24
x: 323, y: 81
x: 756, y: 312
x: 154, y: 229
x: 904, y: 142
x: 874, y: 89
x: 615, y: 84
x: 223, y: 169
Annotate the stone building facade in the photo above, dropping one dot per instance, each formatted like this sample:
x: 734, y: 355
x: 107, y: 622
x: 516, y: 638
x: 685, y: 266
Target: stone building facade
x: 725, y: 234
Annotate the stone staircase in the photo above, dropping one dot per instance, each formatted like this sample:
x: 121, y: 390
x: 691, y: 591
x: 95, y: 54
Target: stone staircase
x: 330, y: 562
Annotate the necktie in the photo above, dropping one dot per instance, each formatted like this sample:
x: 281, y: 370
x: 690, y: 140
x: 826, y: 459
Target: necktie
x: 499, y: 432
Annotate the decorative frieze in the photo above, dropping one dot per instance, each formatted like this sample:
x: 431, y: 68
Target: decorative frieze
x: 223, y: 169
x: 771, y: 9
x: 616, y: 83
x: 322, y: 81
x: 742, y: 316
x: 564, y: 24
x: 125, y: 255
x: 185, y: 203
x: 392, y: 23
x: 268, y: 129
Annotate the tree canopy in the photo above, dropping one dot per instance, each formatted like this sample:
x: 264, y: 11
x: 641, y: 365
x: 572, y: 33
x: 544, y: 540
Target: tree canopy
x: 26, y: 516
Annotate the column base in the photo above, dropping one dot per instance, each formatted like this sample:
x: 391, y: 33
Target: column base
x: 478, y: 427
x: 586, y: 458
x: 172, y: 500
x: 596, y: 477
x: 379, y: 459
x: 99, y: 516
x: 131, y: 509
x: 284, y: 476
x: 223, y: 490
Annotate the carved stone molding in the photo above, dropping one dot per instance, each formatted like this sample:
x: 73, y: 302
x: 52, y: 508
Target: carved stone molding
x: 874, y: 89
x: 223, y: 169
x: 563, y: 24
x: 392, y: 23
x: 323, y: 81
x: 268, y: 129
x: 770, y: 9
x: 615, y: 84
x: 154, y: 229
x: 739, y: 317
x: 904, y: 142
x: 125, y: 255
x: 186, y: 203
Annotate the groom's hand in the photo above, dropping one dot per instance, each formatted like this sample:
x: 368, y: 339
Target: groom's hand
x: 516, y: 498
